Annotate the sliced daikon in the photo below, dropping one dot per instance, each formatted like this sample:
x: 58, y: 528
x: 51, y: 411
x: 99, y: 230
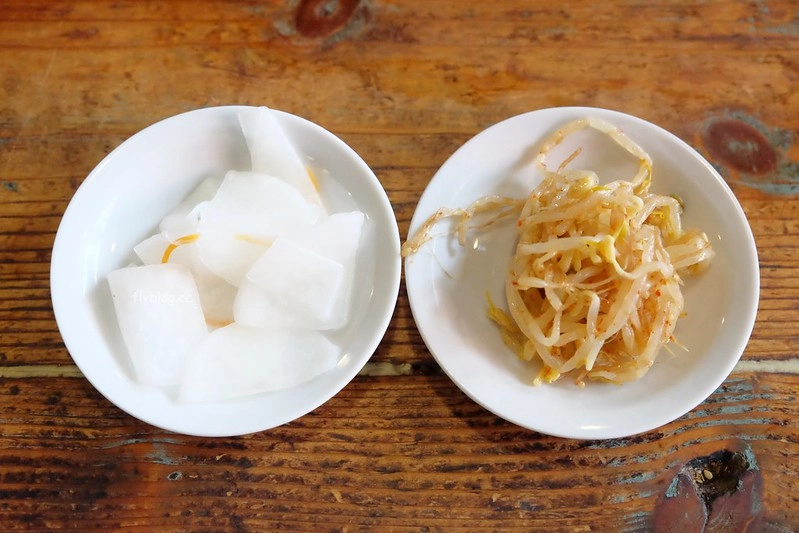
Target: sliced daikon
x: 336, y: 236
x: 178, y: 226
x: 216, y: 294
x: 229, y: 255
x: 237, y: 361
x: 306, y: 286
x: 253, y: 307
x: 183, y: 219
x: 151, y: 250
x: 203, y: 192
x: 257, y: 206
x: 252, y: 254
x: 295, y: 283
x: 160, y: 317
x: 272, y: 152
x: 217, y: 297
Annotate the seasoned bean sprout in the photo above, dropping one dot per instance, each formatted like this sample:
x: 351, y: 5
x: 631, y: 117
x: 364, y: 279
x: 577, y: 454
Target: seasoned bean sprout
x: 594, y: 286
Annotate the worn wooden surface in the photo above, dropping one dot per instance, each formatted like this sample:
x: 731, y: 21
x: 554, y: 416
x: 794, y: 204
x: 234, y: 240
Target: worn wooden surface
x: 404, y: 83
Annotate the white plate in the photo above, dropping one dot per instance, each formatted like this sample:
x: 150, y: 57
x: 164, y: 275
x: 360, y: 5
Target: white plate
x: 122, y: 201
x: 447, y: 283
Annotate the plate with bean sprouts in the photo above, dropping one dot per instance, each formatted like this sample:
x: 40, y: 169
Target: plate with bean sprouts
x: 582, y: 273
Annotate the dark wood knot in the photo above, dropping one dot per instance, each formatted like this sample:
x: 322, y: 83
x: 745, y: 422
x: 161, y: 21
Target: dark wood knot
x: 320, y: 18
x: 739, y: 145
x: 718, y: 492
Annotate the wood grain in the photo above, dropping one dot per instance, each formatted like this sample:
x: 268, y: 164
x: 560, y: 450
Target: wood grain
x: 405, y: 84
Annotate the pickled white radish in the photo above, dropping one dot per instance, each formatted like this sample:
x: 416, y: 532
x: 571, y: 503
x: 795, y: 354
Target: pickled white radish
x: 254, y: 307
x: 151, y: 250
x: 184, y: 219
x: 272, y: 152
x: 257, y: 205
x: 216, y: 294
x: 179, y: 225
x: 252, y: 257
x: 300, y: 281
x: 308, y: 288
x: 229, y: 255
x: 337, y: 236
x: 238, y: 360
x: 203, y: 192
x: 160, y: 318
x: 216, y: 297
x: 289, y: 285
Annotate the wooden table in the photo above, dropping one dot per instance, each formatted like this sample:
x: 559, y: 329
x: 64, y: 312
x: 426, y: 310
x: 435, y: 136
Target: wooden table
x: 405, y: 83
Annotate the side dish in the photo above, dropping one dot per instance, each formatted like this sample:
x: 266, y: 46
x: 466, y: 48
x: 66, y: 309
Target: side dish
x: 237, y: 291
x: 594, y: 287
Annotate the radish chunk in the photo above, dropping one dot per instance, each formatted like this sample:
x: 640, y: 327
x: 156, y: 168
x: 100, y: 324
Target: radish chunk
x: 216, y: 294
x: 160, y: 317
x: 216, y: 297
x: 238, y: 360
x: 183, y: 219
x: 203, y: 192
x: 229, y: 256
x: 308, y: 287
x: 258, y: 206
x: 254, y: 307
x: 304, y: 280
x: 336, y: 236
x: 177, y: 226
x: 272, y: 152
x: 151, y: 250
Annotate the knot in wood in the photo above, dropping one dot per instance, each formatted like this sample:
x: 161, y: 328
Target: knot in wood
x: 320, y: 18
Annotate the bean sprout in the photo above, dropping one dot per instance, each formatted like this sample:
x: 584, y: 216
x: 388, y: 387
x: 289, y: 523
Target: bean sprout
x: 594, y: 286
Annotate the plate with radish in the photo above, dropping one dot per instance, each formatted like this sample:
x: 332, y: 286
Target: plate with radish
x: 226, y: 270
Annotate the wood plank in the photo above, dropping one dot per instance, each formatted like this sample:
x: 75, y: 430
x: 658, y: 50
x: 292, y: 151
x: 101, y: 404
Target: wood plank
x: 347, y: 461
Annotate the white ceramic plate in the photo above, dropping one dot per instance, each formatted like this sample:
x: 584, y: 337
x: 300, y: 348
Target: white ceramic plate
x: 447, y: 283
x: 125, y: 197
